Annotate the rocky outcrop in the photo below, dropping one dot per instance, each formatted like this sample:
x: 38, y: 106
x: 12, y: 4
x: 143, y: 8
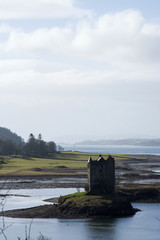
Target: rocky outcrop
x: 95, y: 205
x: 79, y: 205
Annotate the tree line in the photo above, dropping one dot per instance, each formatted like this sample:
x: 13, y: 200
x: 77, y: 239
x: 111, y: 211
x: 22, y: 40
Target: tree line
x: 9, y: 147
x: 34, y: 147
x: 38, y: 147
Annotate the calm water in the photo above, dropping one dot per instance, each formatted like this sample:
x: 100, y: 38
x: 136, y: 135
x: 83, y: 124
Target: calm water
x: 143, y: 226
x: 113, y: 149
x: 25, y: 198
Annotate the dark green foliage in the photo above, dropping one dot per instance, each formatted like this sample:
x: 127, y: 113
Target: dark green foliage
x: 38, y: 147
x: 6, y: 134
x: 51, y: 147
x: 10, y: 143
x: 7, y: 147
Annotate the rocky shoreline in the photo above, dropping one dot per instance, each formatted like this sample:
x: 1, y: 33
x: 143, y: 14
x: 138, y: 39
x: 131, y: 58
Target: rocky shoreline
x: 45, y: 181
x: 79, y: 205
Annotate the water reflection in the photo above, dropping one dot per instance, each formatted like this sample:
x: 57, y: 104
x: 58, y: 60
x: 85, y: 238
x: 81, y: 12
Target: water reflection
x: 100, y: 228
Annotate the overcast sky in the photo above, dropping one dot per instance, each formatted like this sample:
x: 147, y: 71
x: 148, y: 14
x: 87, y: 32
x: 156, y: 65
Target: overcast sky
x: 80, y: 69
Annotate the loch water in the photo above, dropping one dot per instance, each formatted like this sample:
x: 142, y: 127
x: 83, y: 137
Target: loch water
x: 113, y: 149
x: 144, y: 225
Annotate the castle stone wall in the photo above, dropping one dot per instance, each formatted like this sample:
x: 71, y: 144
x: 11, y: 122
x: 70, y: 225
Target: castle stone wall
x: 101, y: 175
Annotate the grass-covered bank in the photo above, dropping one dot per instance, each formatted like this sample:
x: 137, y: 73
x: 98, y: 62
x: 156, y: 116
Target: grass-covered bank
x: 59, y: 163
x: 17, y: 165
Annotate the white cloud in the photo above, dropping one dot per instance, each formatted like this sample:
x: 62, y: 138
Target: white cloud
x: 119, y: 37
x: 19, y: 9
x: 48, y: 80
x: 113, y: 38
x: 56, y: 40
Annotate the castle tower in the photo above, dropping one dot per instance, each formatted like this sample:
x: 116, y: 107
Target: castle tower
x: 101, y: 175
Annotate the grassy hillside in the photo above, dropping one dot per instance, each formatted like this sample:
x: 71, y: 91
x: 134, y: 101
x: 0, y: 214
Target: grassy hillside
x: 41, y: 166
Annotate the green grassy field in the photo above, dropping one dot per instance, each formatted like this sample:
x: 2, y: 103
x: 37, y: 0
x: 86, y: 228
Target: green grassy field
x: 41, y: 166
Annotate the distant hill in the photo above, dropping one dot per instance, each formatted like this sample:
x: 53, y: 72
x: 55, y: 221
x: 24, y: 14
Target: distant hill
x: 131, y: 142
x: 6, y: 134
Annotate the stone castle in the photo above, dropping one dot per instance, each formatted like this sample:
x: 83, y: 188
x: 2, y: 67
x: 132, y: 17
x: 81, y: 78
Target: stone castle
x: 101, y: 175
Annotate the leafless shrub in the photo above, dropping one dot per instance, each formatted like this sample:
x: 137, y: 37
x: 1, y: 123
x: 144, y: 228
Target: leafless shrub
x: 3, y: 227
x: 42, y: 237
x: 28, y: 231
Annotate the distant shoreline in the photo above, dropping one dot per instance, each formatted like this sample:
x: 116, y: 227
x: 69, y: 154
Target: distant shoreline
x: 123, y: 142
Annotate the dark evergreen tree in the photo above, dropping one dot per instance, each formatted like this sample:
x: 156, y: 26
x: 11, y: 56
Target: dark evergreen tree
x: 9, y: 148
x: 30, y: 147
x: 42, y: 146
x: 52, y: 148
x: 38, y: 147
